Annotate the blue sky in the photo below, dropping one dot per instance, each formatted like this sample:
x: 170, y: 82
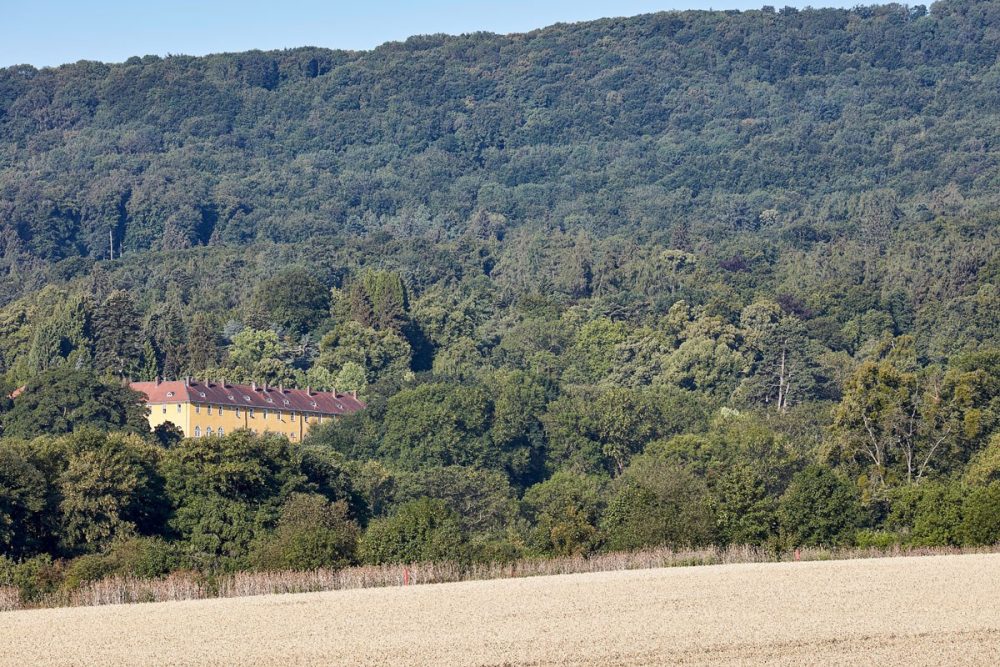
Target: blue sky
x: 52, y: 32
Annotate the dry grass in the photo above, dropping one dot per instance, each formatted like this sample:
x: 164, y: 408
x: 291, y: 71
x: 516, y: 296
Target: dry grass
x: 10, y: 598
x: 126, y: 590
x: 903, y: 611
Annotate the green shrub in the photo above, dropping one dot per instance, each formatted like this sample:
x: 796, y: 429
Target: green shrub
x: 311, y: 533
x: 877, y: 539
x: 819, y: 508
x: 565, y: 510
x: 420, y: 530
x: 937, y: 518
x: 981, y: 516
x: 34, y: 578
x: 87, y: 568
x: 657, y: 503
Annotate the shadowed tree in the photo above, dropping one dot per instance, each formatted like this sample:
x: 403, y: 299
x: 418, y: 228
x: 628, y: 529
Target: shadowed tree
x: 117, y: 335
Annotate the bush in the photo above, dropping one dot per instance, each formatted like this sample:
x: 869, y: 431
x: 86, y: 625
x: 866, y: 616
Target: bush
x: 981, y: 516
x: 495, y: 547
x: 655, y: 503
x: 877, y: 539
x: 420, y: 530
x: 565, y: 511
x: 311, y: 533
x: 34, y: 578
x: 937, y: 515
x: 819, y: 508
x: 144, y: 557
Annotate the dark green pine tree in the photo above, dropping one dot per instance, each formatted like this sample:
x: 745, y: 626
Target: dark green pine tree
x: 386, y: 297
x: 45, y: 347
x: 360, y: 304
x: 203, y: 344
x: 117, y: 335
x: 58, y: 338
x: 167, y: 331
x: 148, y: 369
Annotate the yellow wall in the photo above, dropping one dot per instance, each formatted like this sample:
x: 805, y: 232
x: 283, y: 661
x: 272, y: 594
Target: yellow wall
x: 189, y: 416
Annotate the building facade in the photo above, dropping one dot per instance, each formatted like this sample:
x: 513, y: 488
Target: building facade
x: 204, y: 408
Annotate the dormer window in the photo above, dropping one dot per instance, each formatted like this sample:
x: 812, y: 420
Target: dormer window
x: 169, y: 394
x: 246, y: 398
x: 202, y: 394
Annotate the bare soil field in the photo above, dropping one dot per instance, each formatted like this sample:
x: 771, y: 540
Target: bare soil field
x: 895, y: 611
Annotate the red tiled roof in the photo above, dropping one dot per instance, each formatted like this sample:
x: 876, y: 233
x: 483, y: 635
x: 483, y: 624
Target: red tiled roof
x: 271, y: 398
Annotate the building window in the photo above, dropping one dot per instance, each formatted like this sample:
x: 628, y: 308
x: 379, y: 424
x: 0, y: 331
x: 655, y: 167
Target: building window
x: 251, y: 413
x: 292, y: 415
x: 221, y: 432
x: 197, y: 409
x: 197, y: 431
x: 265, y: 413
x: 209, y: 409
x: 178, y: 407
x: 164, y: 408
x: 237, y: 411
x: 208, y: 432
x: 220, y: 410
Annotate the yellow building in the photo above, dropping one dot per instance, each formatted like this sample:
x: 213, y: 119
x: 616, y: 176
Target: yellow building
x: 202, y: 409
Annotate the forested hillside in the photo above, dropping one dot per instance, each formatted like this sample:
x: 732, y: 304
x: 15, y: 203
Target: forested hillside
x: 682, y: 278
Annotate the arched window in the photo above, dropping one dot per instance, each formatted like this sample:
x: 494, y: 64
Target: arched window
x: 197, y: 431
x: 221, y: 432
x: 208, y: 431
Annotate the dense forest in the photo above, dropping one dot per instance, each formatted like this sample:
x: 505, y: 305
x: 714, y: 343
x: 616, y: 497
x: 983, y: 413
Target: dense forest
x: 679, y: 279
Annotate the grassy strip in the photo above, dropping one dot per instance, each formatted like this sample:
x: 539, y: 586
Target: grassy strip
x: 192, y: 586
